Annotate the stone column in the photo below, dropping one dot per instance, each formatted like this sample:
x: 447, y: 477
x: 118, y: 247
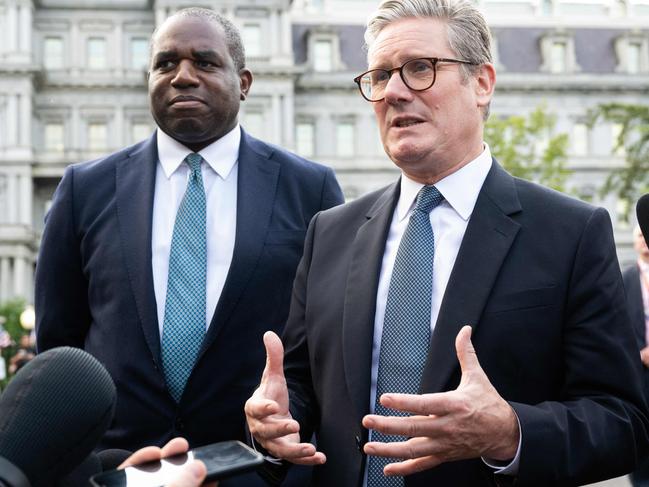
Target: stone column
x: 20, y: 274
x: 11, y: 25
x: 12, y: 198
x: 26, y: 198
x: 25, y: 120
x: 26, y: 30
x: 276, y: 113
x: 12, y: 120
x: 5, y: 278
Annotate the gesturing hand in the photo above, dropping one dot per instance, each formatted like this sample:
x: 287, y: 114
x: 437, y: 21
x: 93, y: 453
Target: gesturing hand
x: 269, y: 419
x: 471, y: 421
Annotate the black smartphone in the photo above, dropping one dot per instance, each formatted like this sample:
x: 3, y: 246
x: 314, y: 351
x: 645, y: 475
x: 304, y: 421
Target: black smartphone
x: 222, y: 460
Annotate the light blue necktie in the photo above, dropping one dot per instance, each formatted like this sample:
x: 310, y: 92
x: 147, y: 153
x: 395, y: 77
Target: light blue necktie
x: 185, y: 319
x: 406, y: 327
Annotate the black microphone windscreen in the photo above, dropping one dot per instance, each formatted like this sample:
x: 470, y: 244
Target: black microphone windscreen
x: 113, y: 458
x: 54, y: 412
x: 642, y: 212
x: 80, y: 475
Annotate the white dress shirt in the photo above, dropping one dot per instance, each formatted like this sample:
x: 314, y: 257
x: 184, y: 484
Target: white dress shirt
x: 449, y: 221
x: 220, y: 174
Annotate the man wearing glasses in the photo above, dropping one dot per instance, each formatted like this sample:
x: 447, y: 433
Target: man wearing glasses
x: 542, y: 387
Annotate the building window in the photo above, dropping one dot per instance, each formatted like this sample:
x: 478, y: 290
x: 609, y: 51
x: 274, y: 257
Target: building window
x: 96, y: 53
x: 53, y: 53
x: 558, y: 50
x: 140, y: 131
x: 632, y: 52
x: 54, y: 137
x: 633, y: 57
x: 251, y: 34
x: 139, y: 52
x: 345, y: 139
x: 97, y: 137
x: 579, y: 139
x: 323, y: 55
x: 305, y: 138
x: 558, y: 61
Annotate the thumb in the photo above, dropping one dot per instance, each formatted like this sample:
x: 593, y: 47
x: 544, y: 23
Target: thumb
x: 274, y: 355
x: 465, y: 352
x: 192, y: 475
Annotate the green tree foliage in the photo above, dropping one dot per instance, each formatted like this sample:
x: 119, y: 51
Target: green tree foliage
x: 10, y: 318
x: 528, y: 148
x: 631, y: 180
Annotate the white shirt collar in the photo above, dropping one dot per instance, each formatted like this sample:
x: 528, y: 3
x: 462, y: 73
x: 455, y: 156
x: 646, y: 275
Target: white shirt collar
x: 460, y: 189
x: 221, y: 155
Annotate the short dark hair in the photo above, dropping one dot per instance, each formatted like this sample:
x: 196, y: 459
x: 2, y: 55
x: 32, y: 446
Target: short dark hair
x: 232, y: 35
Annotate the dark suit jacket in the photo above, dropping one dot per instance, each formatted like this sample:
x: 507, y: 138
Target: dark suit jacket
x: 635, y: 306
x: 538, y: 279
x: 94, y: 286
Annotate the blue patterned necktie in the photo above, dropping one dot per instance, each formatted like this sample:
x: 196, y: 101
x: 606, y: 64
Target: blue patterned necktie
x: 406, y: 327
x: 185, y: 319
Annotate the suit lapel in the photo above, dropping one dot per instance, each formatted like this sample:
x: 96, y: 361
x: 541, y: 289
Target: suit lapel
x: 488, y: 238
x: 135, y: 183
x: 256, y: 187
x: 360, y: 298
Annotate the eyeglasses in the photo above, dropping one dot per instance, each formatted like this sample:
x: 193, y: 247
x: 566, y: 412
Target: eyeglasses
x: 417, y: 74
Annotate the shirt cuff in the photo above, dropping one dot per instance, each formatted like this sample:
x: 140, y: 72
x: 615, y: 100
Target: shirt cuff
x: 268, y: 458
x: 504, y: 467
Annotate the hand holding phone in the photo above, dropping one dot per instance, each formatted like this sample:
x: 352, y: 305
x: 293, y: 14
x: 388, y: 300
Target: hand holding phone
x: 192, y: 475
x: 220, y: 460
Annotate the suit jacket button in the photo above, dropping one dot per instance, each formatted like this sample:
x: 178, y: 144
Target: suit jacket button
x: 179, y: 424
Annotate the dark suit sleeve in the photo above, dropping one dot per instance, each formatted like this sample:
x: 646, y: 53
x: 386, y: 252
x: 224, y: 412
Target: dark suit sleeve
x: 598, y: 421
x: 303, y: 405
x: 332, y: 195
x: 62, y: 313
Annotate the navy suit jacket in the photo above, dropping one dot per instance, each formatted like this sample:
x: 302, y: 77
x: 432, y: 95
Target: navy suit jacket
x: 94, y: 286
x: 538, y: 279
x: 635, y: 306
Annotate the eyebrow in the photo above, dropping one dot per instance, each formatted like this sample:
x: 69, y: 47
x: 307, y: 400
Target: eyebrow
x: 200, y: 55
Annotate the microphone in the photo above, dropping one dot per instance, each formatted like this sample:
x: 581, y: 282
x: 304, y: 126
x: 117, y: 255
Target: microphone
x: 53, y: 413
x: 642, y: 212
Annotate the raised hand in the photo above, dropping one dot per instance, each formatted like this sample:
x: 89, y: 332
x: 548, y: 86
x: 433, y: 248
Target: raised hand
x: 471, y: 421
x: 268, y: 416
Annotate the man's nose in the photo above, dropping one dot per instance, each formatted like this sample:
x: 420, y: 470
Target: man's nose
x: 185, y: 74
x: 396, y: 90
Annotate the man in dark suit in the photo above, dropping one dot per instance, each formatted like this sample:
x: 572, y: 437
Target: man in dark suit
x: 168, y: 259
x: 636, y: 285
x: 543, y: 387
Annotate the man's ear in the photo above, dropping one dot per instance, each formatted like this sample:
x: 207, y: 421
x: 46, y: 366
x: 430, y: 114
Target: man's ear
x: 485, y: 83
x: 245, y: 80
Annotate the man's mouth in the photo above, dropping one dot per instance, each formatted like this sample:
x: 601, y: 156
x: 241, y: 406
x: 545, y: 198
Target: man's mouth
x: 403, y: 122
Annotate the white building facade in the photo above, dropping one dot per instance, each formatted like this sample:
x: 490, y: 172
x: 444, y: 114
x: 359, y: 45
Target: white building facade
x: 72, y: 88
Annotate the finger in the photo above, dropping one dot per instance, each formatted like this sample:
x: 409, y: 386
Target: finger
x: 176, y: 446
x: 317, y: 459
x: 439, y: 403
x: 289, y: 448
x: 465, y: 351
x: 260, y: 408
x: 272, y: 428
x: 192, y: 475
x: 147, y: 454
x: 409, y: 449
x: 274, y: 354
x: 408, y: 467
x: 410, y: 426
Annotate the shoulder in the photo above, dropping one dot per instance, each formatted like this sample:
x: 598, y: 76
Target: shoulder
x: 102, y: 165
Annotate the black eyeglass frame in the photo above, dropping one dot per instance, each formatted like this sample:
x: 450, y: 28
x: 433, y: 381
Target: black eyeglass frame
x: 433, y: 60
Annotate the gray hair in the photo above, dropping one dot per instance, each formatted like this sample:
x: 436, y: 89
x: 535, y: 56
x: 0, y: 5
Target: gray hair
x: 232, y: 35
x: 468, y: 33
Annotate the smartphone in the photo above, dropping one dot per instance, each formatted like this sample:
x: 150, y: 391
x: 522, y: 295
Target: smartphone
x: 222, y: 460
